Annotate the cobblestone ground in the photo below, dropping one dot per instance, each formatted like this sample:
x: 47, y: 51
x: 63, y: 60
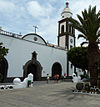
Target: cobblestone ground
x: 47, y: 95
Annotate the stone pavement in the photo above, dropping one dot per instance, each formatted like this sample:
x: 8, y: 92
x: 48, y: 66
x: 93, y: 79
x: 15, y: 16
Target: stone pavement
x: 47, y: 95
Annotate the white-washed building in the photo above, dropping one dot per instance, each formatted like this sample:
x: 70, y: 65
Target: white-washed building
x: 32, y: 54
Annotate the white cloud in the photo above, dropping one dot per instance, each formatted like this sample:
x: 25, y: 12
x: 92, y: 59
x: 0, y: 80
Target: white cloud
x: 48, y: 28
x: 44, y: 13
x: 38, y: 11
x: 77, y: 7
x: 6, y: 7
x: 47, y: 19
x: 52, y: 1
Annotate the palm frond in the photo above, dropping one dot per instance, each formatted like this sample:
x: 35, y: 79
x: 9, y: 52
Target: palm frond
x: 84, y: 14
x: 77, y: 25
x: 81, y: 36
x: 88, y: 24
x: 83, y: 43
x: 80, y: 19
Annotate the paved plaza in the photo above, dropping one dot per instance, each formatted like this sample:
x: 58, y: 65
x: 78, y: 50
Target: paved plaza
x: 47, y: 95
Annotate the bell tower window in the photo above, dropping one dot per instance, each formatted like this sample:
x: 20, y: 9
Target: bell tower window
x: 69, y: 29
x: 62, y: 29
x: 73, y: 30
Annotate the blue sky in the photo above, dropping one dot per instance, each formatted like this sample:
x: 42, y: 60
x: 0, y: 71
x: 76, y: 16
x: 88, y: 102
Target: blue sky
x: 20, y: 15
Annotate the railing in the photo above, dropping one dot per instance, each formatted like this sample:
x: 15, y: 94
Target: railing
x: 9, y: 33
x: 56, y: 46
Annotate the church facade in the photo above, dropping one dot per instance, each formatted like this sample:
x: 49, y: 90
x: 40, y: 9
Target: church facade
x: 32, y: 54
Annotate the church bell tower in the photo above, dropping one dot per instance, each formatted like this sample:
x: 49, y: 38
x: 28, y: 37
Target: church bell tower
x: 66, y: 35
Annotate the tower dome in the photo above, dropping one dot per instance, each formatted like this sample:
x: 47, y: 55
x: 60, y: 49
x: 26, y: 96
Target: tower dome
x: 66, y: 12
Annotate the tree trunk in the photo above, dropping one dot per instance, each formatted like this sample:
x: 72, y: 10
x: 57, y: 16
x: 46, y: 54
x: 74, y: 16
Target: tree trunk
x: 93, y: 60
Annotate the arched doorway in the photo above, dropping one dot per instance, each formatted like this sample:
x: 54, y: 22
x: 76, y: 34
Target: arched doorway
x: 56, y: 69
x: 34, y: 67
x: 3, y: 69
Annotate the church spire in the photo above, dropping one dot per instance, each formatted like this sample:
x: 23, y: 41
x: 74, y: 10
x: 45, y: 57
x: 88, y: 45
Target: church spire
x: 66, y: 13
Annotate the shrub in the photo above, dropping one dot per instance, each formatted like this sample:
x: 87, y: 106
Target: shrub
x: 79, y: 86
x: 86, y: 86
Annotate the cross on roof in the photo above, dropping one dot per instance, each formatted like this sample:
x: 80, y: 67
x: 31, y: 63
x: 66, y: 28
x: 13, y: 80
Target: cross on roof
x: 35, y: 27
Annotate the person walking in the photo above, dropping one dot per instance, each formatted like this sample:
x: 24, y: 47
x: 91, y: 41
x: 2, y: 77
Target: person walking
x: 48, y: 78
x: 54, y: 77
x: 64, y: 76
x: 57, y: 77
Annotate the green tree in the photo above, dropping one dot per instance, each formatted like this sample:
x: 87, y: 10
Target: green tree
x: 89, y: 24
x: 78, y: 57
x: 3, y: 51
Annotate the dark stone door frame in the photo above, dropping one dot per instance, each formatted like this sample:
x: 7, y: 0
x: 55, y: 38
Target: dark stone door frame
x: 54, y: 72
x: 37, y: 64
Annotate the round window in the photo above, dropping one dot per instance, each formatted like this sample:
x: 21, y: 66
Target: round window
x: 35, y: 38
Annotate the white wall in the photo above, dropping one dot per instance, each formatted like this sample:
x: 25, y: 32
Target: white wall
x: 62, y: 41
x: 20, y: 51
x: 71, y: 70
x: 66, y: 15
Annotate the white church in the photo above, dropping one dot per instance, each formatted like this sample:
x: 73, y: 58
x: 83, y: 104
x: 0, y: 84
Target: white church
x: 32, y: 54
